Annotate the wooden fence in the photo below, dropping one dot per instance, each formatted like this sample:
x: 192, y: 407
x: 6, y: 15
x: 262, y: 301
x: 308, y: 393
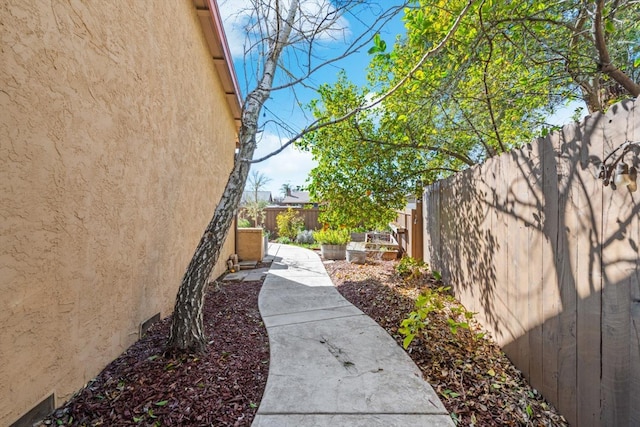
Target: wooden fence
x: 310, y: 216
x: 548, y: 257
x: 408, y: 230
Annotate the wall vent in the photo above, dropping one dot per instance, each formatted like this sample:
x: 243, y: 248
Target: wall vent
x: 144, y: 326
x: 37, y: 413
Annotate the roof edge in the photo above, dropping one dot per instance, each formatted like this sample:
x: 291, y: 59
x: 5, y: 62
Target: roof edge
x: 215, y: 22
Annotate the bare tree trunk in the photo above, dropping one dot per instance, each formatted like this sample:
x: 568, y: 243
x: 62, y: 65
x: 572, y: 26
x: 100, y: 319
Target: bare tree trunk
x: 187, y: 333
x: 187, y: 330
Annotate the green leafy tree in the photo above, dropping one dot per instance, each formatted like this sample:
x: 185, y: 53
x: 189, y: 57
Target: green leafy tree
x: 289, y: 223
x: 349, y: 168
x: 489, y: 89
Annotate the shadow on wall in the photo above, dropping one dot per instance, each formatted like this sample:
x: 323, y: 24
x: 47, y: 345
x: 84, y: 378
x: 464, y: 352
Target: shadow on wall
x: 549, y: 259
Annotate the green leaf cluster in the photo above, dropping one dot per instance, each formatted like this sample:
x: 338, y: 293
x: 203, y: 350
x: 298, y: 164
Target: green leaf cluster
x: 417, y: 320
x: 332, y: 237
x: 289, y: 224
x: 410, y: 268
x: 362, y: 182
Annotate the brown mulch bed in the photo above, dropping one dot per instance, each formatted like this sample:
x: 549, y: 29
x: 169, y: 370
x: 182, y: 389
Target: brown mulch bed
x: 477, y: 383
x: 222, y: 387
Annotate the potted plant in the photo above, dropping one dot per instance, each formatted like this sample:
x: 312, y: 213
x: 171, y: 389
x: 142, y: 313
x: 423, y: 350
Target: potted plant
x: 333, y: 243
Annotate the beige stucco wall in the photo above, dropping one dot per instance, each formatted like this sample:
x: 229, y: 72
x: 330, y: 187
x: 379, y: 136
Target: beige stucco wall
x: 250, y: 244
x: 115, y: 144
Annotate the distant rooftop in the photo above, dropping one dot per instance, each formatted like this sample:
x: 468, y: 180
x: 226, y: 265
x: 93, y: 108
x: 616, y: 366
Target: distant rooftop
x: 296, y: 198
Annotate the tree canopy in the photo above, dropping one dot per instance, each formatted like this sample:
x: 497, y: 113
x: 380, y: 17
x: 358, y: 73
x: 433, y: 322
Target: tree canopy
x: 507, y: 67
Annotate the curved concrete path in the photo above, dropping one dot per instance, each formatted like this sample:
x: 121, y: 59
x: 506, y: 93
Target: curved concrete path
x: 331, y: 365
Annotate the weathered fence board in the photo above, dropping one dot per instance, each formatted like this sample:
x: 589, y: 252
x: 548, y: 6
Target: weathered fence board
x: 536, y: 244
x: 548, y: 257
x: 409, y: 230
x: 588, y: 279
x: 620, y: 262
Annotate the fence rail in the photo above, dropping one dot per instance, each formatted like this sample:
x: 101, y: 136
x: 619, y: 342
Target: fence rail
x: 310, y: 216
x: 548, y: 257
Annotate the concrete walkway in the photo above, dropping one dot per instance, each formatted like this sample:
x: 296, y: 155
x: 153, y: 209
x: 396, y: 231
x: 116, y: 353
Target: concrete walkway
x: 331, y: 365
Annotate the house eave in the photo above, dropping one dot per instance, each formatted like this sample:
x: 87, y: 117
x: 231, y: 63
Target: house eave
x: 211, y: 22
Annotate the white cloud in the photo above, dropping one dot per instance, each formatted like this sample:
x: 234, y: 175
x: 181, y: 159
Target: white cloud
x: 244, y: 21
x: 291, y: 166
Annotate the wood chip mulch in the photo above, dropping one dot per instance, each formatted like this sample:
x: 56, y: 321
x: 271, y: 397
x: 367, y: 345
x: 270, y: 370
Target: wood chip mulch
x: 222, y: 387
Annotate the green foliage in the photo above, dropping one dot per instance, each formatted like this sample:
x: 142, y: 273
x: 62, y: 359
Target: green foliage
x: 450, y: 394
x: 332, y: 237
x: 379, y: 46
x: 510, y: 63
x: 454, y: 325
x: 361, y: 182
x: 436, y: 275
x: 289, y: 223
x: 243, y: 223
x: 418, y: 319
x: 284, y: 240
x: 410, y: 268
x: 430, y: 301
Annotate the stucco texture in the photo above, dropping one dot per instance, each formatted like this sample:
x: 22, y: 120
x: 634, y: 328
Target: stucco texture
x: 115, y: 145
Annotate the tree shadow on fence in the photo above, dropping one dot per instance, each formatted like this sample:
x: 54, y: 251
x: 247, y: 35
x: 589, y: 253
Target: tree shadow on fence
x: 533, y: 242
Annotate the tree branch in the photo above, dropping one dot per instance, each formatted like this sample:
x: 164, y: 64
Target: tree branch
x: 486, y: 86
x: 603, y: 53
x: 321, y: 123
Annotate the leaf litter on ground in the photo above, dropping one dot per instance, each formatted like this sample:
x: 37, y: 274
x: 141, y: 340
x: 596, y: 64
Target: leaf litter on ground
x: 475, y: 380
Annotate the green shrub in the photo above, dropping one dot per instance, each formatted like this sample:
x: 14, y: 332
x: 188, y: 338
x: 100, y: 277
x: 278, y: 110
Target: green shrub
x: 417, y: 320
x: 290, y: 223
x: 332, y: 237
x: 284, y: 240
x: 243, y: 223
x: 410, y: 268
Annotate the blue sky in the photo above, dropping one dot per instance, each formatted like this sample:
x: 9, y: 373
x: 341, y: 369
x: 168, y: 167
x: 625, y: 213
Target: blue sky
x: 293, y: 166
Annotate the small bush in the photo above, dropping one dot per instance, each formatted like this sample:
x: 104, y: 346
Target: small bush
x: 410, y: 268
x: 243, y: 223
x: 332, y: 237
x: 284, y: 240
x: 305, y: 237
x: 417, y: 320
x: 289, y: 224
